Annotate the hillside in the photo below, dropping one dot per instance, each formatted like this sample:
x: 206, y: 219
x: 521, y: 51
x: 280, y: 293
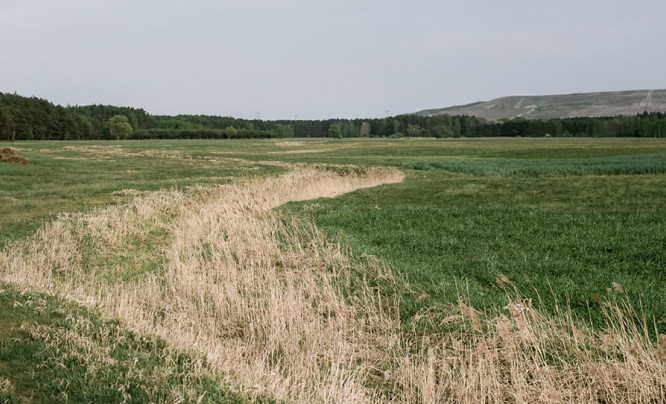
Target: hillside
x: 561, y: 106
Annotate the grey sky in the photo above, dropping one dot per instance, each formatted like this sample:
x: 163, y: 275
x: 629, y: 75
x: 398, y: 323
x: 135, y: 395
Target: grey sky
x: 323, y: 58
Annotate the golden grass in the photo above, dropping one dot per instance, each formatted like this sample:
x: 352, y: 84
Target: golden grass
x: 262, y: 297
x: 526, y: 355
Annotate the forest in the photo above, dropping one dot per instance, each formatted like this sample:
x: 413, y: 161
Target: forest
x: 32, y: 118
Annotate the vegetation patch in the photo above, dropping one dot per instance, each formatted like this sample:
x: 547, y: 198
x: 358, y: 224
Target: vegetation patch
x: 224, y: 287
x: 503, y: 167
x: 52, y: 350
x: 79, y: 176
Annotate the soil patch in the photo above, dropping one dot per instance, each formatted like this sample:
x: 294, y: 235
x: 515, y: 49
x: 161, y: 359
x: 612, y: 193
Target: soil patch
x: 8, y: 155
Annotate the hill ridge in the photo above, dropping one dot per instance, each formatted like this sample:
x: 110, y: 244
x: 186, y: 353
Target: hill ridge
x: 608, y: 103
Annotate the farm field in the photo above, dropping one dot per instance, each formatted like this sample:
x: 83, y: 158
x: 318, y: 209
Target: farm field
x: 413, y: 270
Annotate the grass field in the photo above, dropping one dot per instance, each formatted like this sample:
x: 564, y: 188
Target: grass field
x: 445, y: 249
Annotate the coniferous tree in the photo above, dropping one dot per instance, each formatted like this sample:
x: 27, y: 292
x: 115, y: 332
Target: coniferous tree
x: 6, y: 123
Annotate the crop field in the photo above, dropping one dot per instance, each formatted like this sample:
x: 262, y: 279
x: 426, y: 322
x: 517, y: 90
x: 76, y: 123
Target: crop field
x: 318, y: 270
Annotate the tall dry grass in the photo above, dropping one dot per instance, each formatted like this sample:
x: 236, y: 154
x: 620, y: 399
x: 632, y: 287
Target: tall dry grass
x: 526, y: 355
x: 262, y: 297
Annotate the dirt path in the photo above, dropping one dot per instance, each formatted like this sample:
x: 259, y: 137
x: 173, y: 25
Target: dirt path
x: 648, y: 99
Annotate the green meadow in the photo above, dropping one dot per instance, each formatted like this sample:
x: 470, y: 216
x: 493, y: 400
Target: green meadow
x: 565, y: 216
x: 569, y: 222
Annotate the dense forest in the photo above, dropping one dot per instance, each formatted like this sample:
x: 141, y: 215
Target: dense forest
x: 31, y: 118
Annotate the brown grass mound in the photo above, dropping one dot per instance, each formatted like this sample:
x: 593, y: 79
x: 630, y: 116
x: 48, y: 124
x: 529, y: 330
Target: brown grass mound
x: 8, y: 155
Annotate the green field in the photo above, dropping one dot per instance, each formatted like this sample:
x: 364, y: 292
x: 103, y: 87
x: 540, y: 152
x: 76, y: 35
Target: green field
x: 578, y: 214
x: 570, y: 222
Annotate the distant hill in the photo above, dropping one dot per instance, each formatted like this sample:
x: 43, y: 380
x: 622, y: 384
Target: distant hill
x: 561, y: 106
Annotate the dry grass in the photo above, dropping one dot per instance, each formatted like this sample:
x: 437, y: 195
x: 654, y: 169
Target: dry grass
x: 261, y: 297
x: 10, y: 156
x: 6, y: 386
x: 526, y: 355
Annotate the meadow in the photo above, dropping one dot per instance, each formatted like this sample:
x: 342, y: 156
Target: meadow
x: 317, y: 270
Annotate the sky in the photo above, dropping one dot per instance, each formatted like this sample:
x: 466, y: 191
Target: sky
x: 319, y: 59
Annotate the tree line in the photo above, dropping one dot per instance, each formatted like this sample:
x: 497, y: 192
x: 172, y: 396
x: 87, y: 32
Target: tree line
x: 31, y: 118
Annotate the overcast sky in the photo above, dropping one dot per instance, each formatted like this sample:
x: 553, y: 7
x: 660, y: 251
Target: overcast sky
x: 314, y: 59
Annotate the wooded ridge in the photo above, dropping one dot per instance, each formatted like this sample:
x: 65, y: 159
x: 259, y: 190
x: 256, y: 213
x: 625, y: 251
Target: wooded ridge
x: 32, y: 118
